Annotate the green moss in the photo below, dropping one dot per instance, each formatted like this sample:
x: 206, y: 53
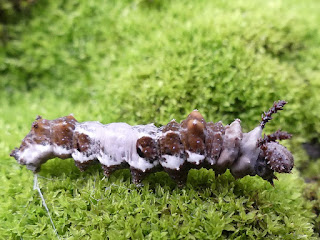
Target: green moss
x: 151, y: 61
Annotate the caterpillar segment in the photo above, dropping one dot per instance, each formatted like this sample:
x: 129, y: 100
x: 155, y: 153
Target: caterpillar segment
x: 174, y: 148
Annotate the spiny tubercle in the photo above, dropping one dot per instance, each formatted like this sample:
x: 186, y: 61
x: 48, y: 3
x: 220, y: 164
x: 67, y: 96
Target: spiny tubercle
x: 267, y: 116
x: 278, y: 135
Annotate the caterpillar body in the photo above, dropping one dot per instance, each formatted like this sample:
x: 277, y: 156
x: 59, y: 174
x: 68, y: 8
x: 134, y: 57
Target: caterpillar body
x: 174, y: 148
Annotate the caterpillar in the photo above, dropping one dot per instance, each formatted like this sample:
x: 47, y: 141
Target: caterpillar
x: 174, y: 148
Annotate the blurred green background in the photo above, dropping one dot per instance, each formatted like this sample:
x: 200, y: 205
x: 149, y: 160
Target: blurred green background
x: 143, y: 61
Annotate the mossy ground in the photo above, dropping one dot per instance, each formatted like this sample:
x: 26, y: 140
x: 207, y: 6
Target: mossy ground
x: 151, y: 61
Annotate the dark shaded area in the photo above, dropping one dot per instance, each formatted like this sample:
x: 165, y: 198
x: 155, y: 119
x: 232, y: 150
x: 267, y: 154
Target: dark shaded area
x: 311, y: 193
x: 12, y: 12
x: 312, y: 148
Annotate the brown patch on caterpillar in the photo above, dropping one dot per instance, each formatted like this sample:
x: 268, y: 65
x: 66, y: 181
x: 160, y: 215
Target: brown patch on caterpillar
x: 194, y: 124
x: 170, y: 142
x: 81, y: 142
x: 62, y: 131
x: 217, y: 127
x: 193, y: 135
x: 40, y: 132
x: 173, y: 153
x: 172, y: 126
x: 38, y: 135
x: 147, y: 148
x: 214, y: 141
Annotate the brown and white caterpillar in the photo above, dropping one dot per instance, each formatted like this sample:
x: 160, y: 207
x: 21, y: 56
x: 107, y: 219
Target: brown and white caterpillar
x: 175, y: 148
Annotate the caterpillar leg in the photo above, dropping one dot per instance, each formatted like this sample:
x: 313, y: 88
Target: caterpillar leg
x: 138, y: 176
x: 107, y: 171
x: 83, y: 166
x: 179, y: 176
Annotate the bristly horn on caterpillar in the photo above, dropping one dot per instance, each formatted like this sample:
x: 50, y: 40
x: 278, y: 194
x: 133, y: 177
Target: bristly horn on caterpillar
x: 175, y: 148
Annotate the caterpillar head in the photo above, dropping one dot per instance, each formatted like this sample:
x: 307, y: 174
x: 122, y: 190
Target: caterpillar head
x: 263, y: 170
